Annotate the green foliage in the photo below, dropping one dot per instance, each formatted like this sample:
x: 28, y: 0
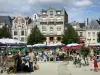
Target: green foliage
x: 35, y: 36
x: 59, y: 38
x: 70, y: 36
x: 5, y: 32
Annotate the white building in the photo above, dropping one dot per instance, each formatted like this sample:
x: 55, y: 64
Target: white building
x: 21, y: 28
x: 88, y: 34
x: 51, y: 24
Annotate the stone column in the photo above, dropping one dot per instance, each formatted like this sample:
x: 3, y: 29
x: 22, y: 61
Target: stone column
x: 47, y: 40
x: 55, y: 39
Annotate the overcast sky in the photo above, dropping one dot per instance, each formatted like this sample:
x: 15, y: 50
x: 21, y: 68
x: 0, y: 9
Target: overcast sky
x: 78, y: 10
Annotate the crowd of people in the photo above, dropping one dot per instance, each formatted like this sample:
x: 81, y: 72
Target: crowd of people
x: 28, y: 62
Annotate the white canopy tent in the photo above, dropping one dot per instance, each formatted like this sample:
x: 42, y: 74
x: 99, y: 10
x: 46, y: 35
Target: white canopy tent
x: 56, y: 44
x: 9, y: 41
x: 29, y: 46
x: 73, y: 44
x: 95, y: 44
x: 39, y: 45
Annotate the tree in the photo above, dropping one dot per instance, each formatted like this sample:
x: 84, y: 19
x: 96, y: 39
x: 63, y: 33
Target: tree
x: 98, y: 39
x: 35, y: 36
x: 59, y: 38
x: 5, y: 32
x: 70, y: 36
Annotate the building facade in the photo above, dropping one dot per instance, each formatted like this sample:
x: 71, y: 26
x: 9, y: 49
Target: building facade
x: 86, y: 33
x: 21, y: 28
x: 51, y: 24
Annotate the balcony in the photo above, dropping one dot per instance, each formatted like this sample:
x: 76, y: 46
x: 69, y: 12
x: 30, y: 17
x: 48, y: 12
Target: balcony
x: 51, y: 20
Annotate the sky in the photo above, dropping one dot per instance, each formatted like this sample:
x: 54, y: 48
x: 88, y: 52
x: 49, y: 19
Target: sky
x: 78, y: 10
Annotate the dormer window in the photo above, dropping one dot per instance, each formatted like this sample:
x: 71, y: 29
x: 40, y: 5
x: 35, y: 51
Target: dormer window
x: 51, y: 12
x: 19, y: 20
x: 58, y: 12
x: 44, y: 13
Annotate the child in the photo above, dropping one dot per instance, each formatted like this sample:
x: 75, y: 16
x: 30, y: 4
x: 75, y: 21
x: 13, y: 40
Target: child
x: 36, y: 66
x: 95, y: 64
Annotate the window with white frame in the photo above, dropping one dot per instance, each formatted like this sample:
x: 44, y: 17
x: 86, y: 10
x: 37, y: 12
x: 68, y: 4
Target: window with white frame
x: 89, y: 34
x: 22, y: 38
x: 22, y: 32
x: 81, y: 34
x: 59, y: 28
x: 44, y: 13
x: 58, y: 12
x: 19, y: 20
x: 15, y: 32
x: 43, y: 28
x: 51, y: 12
x: 16, y: 38
x: 93, y: 33
x: 51, y: 28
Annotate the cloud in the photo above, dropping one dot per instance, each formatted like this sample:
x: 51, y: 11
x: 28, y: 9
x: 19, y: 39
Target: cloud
x: 76, y: 9
x: 83, y: 3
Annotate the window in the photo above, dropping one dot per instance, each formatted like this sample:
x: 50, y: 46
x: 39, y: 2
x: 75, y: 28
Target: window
x: 81, y: 34
x: 19, y: 19
x: 51, y: 28
x: 93, y: 39
x: 22, y: 32
x: 51, y: 12
x: 59, y: 28
x: 89, y: 34
x: 15, y: 38
x: 43, y: 13
x: 93, y: 34
x: 43, y: 28
x: 44, y: 33
x: 15, y: 32
x: 58, y: 12
x: 22, y: 39
x: 35, y: 16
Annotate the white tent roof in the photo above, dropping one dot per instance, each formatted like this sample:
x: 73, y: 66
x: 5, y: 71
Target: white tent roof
x: 39, y: 45
x: 55, y: 44
x: 10, y: 41
x: 73, y: 44
x: 95, y: 44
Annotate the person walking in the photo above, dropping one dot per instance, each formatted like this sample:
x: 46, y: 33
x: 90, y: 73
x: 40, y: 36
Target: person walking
x: 91, y: 63
x: 31, y: 59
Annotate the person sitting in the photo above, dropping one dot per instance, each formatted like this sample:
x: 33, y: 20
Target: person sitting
x: 36, y: 66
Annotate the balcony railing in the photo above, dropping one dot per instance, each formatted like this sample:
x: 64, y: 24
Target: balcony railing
x: 51, y: 20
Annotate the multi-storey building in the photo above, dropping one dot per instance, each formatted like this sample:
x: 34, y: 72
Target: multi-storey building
x: 86, y: 33
x: 21, y: 28
x: 51, y: 24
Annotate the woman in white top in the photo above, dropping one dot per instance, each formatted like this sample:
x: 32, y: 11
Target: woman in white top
x: 91, y: 63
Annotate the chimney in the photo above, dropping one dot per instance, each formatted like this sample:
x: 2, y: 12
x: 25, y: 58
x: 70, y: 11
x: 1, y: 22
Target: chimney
x: 87, y: 21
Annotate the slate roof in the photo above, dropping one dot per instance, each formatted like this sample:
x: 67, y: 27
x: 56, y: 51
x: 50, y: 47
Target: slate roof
x: 82, y: 25
x: 6, y: 19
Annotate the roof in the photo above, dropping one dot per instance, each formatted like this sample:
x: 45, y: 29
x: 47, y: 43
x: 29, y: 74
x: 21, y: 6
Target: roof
x: 6, y: 19
x: 82, y: 25
x: 55, y: 8
x: 29, y: 21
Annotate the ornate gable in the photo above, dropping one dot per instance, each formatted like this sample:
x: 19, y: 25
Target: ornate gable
x: 19, y: 19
